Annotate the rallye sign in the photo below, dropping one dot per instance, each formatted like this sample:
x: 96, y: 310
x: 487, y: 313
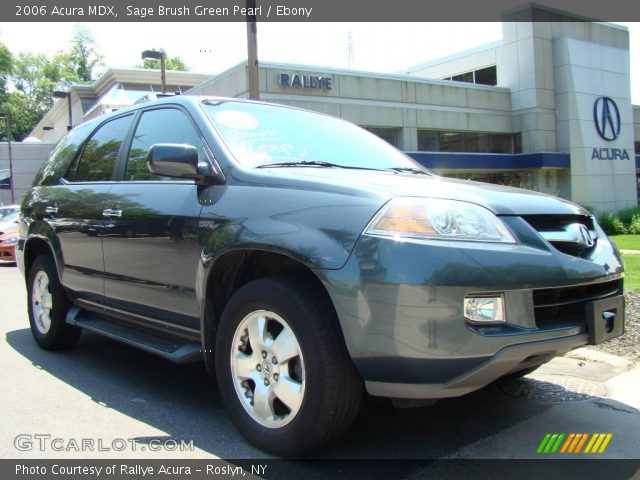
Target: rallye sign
x: 296, y: 80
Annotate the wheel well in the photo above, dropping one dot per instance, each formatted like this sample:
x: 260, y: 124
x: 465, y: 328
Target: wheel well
x: 32, y: 250
x: 236, y: 269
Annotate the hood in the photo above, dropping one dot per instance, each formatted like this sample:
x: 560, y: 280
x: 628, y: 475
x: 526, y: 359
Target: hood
x: 499, y: 199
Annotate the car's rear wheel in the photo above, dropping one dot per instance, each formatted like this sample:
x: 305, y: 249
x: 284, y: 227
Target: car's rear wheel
x: 283, y: 370
x: 48, y: 305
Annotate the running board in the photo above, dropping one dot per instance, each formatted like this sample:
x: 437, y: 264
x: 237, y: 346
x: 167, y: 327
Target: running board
x: 174, y: 351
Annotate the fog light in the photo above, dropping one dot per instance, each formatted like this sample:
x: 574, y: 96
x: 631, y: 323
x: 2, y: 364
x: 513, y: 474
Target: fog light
x: 484, y: 309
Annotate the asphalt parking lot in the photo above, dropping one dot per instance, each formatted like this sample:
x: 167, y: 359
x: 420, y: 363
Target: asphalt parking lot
x: 105, y: 391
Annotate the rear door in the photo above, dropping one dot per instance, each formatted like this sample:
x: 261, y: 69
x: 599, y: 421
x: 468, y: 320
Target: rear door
x: 152, y: 253
x: 74, y: 208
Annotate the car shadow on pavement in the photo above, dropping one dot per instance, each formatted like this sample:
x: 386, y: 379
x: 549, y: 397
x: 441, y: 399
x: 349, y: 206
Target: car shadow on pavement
x: 182, y: 400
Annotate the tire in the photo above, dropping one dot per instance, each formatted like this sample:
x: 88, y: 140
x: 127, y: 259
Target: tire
x: 48, y: 304
x: 307, y: 398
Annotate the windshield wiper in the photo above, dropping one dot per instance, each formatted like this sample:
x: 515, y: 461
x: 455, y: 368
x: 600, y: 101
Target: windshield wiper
x: 408, y: 170
x: 312, y: 163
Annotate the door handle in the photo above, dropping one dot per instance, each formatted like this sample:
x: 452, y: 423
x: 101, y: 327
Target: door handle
x: 51, y: 209
x: 111, y: 212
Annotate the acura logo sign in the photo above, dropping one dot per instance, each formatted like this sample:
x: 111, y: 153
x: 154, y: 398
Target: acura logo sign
x: 606, y: 117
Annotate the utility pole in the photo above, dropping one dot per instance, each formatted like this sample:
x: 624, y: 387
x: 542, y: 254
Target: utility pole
x: 7, y: 123
x: 162, y: 56
x: 252, y: 48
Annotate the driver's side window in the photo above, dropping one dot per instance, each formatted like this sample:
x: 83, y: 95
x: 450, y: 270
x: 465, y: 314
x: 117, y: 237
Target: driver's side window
x: 165, y: 125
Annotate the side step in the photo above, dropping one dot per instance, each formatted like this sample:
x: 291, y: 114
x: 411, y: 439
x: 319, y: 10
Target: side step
x: 174, y: 351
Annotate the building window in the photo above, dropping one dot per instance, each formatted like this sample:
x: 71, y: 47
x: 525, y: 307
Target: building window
x: 486, y: 76
x: 482, y: 76
x: 477, y: 142
x: 428, y: 141
x: 637, y: 145
x: 517, y: 143
x: 389, y: 135
x: 451, y: 142
x: 472, y: 142
x: 466, y: 77
x: 518, y: 178
x: 501, y: 143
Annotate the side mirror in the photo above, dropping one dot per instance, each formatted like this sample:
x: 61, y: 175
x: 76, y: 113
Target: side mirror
x: 173, y: 160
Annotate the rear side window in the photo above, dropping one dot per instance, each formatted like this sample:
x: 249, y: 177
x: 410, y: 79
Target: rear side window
x: 100, y: 153
x: 166, y: 125
x: 61, y: 156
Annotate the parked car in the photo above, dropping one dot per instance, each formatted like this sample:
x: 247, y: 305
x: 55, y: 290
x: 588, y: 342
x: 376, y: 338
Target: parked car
x: 8, y: 221
x: 304, y: 260
x: 8, y: 242
x: 8, y: 210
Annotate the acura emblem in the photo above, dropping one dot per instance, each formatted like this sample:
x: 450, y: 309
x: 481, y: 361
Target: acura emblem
x: 585, y: 236
x: 606, y: 117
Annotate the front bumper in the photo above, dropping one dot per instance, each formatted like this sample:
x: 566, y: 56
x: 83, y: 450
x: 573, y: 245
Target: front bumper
x: 400, y: 306
x: 8, y: 253
x: 507, y: 360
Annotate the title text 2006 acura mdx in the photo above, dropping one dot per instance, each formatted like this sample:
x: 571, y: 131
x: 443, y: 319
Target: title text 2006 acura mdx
x: 304, y: 259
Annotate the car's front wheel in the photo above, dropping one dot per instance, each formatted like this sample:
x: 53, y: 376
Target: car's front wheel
x: 48, y: 305
x: 282, y: 367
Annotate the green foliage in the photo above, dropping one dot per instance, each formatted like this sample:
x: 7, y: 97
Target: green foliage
x: 634, y: 224
x: 611, y: 224
x: 6, y: 67
x: 34, y: 77
x: 79, y: 62
x: 170, y: 63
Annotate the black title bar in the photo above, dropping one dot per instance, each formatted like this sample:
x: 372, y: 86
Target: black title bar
x: 316, y: 10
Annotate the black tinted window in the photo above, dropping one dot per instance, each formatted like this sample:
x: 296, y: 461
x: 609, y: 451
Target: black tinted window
x: 101, y: 152
x: 61, y: 156
x: 167, y: 125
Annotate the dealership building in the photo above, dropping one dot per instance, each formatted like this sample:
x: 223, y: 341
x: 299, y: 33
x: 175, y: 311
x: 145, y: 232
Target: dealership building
x: 547, y: 108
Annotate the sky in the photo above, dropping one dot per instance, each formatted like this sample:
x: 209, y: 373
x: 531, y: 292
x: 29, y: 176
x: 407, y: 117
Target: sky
x: 213, y: 47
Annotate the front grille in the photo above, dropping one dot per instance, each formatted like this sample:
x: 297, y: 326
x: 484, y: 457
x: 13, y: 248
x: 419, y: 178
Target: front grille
x: 567, y: 304
x: 558, y: 226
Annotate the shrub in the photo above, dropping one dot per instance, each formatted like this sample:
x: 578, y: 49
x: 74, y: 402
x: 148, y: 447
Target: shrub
x: 612, y: 225
x: 634, y: 224
x: 626, y: 216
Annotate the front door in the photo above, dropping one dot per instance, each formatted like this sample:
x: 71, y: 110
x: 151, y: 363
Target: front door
x: 151, y: 255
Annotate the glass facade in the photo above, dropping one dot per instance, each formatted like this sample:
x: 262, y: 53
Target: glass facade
x: 516, y: 178
x: 389, y: 135
x: 481, y: 76
x: 471, y: 142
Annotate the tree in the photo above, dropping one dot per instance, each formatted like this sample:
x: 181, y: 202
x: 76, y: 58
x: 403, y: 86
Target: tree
x: 28, y: 80
x: 6, y: 67
x: 171, y: 63
x: 78, y: 64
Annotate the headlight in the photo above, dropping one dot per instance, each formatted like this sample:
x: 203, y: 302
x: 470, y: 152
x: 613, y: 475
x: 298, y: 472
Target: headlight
x: 438, y: 219
x: 10, y: 240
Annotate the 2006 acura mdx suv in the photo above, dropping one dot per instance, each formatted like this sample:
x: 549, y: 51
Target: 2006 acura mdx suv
x: 302, y: 258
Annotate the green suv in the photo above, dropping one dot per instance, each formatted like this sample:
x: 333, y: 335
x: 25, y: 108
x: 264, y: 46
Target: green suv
x: 305, y: 261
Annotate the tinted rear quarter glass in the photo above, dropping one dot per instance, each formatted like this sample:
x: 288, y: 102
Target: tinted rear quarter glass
x: 100, y: 153
x: 61, y: 156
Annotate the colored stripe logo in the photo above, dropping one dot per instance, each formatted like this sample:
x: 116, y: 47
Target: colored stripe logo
x: 574, y: 443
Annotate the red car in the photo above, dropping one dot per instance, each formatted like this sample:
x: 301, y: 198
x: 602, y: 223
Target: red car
x: 8, y: 242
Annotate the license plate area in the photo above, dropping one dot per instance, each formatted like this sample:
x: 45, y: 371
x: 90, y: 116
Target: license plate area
x: 605, y: 319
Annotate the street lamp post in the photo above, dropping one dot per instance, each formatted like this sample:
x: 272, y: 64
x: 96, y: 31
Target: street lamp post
x: 67, y: 95
x: 252, y: 51
x: 7, y: 123
x: 158, y: 55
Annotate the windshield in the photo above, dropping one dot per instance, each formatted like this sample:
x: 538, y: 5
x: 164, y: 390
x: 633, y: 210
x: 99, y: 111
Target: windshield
x: 8, y: 214
x: 262, y: 135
